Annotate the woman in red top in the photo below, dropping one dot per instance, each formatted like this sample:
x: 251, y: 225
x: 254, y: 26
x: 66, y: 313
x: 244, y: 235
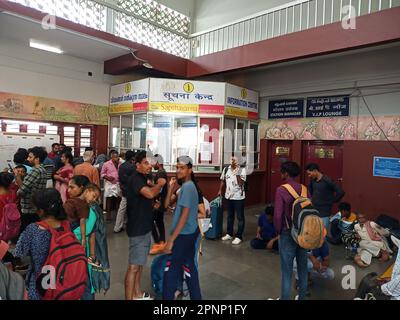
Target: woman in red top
x: 6, y: 193
x: 64, y: 175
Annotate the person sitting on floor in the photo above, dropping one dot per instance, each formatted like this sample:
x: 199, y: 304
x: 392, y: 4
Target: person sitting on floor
x: 372, y: 242
x: 384, y: 287
x: 318, y: 263
x: 342, y: 223
x: 267, y: 237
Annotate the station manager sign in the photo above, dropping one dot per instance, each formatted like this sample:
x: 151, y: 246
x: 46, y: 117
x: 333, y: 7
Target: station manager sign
x: 285, y: 109
x: 320, y: 107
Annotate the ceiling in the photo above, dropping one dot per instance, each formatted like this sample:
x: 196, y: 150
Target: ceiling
x: 21, y: 30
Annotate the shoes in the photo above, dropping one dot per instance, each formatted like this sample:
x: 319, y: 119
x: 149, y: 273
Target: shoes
x: 227, y: 237
x: 274, y: 299
x: 146, y: 296
x: 157, y: 248
x: 236, y: 241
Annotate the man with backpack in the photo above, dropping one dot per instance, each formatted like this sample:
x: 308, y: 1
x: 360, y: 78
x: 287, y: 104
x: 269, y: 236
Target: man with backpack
x: 234, y: 180
x: 292, y: 241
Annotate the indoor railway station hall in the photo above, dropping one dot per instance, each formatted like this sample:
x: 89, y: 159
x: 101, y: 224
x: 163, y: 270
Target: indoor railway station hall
x: 199, y: 150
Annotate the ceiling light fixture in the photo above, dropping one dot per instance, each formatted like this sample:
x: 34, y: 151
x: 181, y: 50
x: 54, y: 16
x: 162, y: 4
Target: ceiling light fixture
x: 41, y: 46
x: 145, y: 63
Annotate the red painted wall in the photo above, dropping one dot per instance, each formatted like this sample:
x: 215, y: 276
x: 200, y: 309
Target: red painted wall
x: 101, y: 139
x: 367, y: 194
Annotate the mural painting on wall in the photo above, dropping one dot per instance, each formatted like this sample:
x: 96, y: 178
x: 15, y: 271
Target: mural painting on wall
x: 332, y: 129
x: 17, y: 106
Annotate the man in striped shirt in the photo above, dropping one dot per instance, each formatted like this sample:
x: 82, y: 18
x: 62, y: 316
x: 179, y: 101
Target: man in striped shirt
x: 34, y: 182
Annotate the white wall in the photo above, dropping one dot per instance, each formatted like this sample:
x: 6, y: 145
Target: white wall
x: 28, y: 71
x: 211, y: 13
x: 330, y: 76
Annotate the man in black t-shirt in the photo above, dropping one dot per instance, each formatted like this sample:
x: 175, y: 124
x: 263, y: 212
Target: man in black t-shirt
x: 124, y: 172
x: 140, y: 197
x: 158, y: 229
x: 324, y: 192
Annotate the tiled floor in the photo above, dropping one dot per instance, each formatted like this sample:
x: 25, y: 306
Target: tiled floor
x: 237, y: 272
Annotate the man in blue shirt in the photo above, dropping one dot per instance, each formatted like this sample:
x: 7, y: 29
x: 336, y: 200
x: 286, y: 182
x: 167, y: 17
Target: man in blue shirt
x: 267, y: 238
x: 184, y: 233
x: 318, y: 263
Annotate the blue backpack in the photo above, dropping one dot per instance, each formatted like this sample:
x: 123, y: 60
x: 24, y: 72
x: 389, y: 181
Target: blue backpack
x: 159, y: 265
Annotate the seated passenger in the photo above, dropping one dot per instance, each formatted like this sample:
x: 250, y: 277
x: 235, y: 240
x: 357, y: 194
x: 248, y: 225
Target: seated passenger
x: 372, y: 242
x: 384, y: 287
x: 342, y: 223
x: 318, y: 263
x: 267, y: 237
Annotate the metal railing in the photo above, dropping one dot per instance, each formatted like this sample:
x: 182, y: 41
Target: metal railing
x: 291, y: 17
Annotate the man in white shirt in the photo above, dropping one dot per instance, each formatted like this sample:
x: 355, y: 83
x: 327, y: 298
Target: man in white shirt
x: 234, y: 178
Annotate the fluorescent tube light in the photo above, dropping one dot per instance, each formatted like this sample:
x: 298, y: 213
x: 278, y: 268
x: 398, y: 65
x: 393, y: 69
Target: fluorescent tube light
x: 45, y: 47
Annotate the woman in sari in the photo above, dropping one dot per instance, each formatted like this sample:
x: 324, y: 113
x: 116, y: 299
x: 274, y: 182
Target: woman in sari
x: 64, y: 175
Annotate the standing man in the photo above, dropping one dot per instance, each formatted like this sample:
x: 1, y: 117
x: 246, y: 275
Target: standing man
x: 109, y: 172
x: 324, y: 192
x: 34, y: 182
x: 184, y: 234
x: 288, y: 248
x: 87, y: 169
x: 158, y: 225
x: 234, y: 178
x: 140, y: 221
x: 55, y: 147
x: 124, y: 172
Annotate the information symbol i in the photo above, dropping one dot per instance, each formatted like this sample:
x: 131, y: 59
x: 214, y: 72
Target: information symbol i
x: 188, y: 87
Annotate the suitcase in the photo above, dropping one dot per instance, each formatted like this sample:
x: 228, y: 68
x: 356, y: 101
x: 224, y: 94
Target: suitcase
x: 215, y: 232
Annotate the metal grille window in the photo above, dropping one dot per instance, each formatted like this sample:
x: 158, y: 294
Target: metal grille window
x: 145, y: 33
x: 85, y: 139
x: 69, y: 136
x: 52, y: 130
x: 85, y: 12
x: 157, y: 13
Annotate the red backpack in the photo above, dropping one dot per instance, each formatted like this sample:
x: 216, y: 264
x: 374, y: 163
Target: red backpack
x: 67, y: 263
x: 10, y: 223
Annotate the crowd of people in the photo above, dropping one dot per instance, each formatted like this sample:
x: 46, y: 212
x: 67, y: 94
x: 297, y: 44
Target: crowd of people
x: 52, y: 196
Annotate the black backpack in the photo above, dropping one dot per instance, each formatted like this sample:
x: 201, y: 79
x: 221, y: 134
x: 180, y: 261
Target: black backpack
x: 245, y: 185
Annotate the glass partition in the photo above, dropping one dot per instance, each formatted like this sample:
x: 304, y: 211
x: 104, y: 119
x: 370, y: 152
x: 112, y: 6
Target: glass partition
x: 115, y: 132
x: 126, y: 132
x: 184, y: 137
x: 159, y: 136
x: 197, y: 136
x: 139, y: 133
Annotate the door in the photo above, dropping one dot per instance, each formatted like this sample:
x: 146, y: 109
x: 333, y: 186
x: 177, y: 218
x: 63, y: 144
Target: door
x: 279, y: 152
x: 329, y: 156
